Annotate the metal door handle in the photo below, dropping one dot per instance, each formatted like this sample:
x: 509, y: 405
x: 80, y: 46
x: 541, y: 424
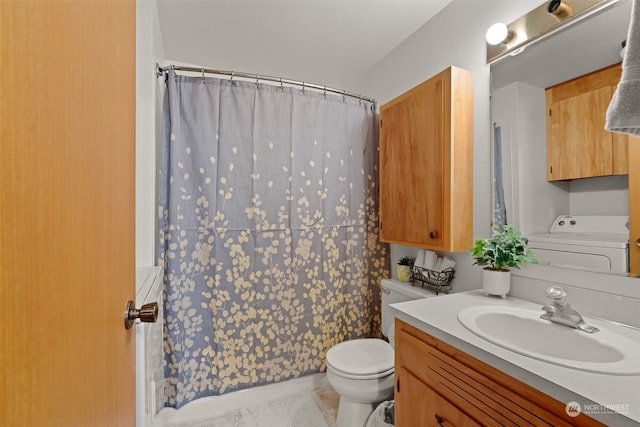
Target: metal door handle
x: 147, y: 313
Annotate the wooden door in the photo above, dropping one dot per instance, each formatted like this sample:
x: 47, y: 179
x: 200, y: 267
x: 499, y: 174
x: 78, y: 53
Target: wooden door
x: 67, y: 144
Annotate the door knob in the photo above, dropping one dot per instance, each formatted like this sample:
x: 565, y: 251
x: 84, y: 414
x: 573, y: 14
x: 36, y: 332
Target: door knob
x: 638, y: 243
x: 147, y: 313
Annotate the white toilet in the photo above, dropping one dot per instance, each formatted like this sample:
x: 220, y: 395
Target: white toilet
x: 361, y: 371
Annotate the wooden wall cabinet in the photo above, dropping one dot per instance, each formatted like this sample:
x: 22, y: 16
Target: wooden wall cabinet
x: 437, y: 384
x: 577, y: 144
x: 426, y: 164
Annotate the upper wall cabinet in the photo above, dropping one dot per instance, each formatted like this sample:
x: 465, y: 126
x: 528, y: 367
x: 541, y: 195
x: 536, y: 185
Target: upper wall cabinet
x: 426, y: 164
x: 577, y: 144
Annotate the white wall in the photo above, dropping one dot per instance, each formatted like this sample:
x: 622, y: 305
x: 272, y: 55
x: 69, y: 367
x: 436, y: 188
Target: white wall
x: 453, y: 37
x: 149, y: 50
x: 519, y: 109
x: 607, y: 195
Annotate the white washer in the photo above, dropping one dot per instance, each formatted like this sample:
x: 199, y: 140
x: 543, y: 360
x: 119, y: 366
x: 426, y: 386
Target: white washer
x: 586, y: 242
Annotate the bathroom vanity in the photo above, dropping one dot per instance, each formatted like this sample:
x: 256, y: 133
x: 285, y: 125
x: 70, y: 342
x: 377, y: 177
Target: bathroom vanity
x: 448, y: 375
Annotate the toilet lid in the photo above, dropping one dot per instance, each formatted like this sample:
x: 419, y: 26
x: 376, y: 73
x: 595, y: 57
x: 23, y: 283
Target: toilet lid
x: 361, y: 357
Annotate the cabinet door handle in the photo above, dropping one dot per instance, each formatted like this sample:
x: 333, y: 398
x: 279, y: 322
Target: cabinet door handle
x: 638, y: 243
x: 440, y: 420
x: 433, y: 235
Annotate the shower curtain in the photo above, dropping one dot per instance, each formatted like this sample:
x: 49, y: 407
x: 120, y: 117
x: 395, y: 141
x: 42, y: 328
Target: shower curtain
x: 268, y: 232
x: 499, y: 206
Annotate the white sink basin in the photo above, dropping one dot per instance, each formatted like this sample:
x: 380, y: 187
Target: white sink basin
x: 523, y: 331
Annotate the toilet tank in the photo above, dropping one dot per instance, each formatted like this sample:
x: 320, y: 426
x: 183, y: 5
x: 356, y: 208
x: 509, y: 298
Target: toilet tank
x: 394, y: 291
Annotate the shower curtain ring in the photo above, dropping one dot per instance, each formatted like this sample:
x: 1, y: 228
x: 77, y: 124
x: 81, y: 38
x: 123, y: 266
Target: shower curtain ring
x: 233, y: 73
x: 257, y: 79
x: 303, y: 86
x: 202, y: 75
x: 281, y: 85
x: 175, y: 76
x: 344, y: 95
x: 325, y: 92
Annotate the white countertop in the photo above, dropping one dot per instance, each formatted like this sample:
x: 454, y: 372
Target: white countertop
x: 596, y: 393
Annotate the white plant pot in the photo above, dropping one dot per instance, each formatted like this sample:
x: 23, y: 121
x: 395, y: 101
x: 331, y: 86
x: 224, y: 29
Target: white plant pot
x: 496, y: 282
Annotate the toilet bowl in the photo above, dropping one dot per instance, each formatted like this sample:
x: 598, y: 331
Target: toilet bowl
x: 361, y: 371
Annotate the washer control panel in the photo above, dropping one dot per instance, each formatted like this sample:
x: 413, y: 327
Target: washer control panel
x: 590, y: 224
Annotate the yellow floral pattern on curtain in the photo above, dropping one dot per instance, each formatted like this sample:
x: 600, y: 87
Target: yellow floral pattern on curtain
x: 268, y: 232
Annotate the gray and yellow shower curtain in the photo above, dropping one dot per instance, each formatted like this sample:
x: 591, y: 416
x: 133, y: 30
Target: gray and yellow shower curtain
x: 268, y: 232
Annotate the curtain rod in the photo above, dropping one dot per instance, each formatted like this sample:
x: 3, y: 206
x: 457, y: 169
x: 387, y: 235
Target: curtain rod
x: 161, y: 70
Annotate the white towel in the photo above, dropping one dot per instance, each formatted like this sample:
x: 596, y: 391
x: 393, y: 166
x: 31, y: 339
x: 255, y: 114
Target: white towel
x: 623, y: 114
x: 447, y: 262
x: 419, y: 258
x: 429, y: 260
x: 438, y: 264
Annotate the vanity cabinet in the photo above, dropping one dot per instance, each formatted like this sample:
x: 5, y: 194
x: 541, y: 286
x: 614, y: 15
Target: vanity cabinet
x: 437, y: 384
x: 577, y: 144
x: 426, y: 172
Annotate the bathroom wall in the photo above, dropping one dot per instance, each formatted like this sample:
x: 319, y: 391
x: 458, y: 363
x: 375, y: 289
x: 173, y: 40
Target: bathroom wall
x: 453, y: 37
x: 519, y: 110
x: 600, y: 196
x: 149, y: 50
x: 149, y: 370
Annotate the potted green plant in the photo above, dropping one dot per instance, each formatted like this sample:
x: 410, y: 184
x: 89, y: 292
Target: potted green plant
x: 497, y: 255
x: 404, y: 268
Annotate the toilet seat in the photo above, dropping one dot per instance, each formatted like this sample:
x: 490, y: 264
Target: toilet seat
x: 361, y: 359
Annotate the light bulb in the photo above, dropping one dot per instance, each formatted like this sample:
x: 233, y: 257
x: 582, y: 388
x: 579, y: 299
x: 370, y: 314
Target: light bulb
x: 497, y: 33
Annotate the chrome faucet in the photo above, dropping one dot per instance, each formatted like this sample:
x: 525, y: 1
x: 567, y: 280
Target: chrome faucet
x: 559, y: 311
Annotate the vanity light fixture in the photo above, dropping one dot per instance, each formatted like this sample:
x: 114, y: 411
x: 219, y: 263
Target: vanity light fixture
x: 560, y: 9
x: 543, y: 21
x: 498, y: 33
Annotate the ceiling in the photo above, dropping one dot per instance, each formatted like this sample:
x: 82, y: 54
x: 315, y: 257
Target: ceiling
x: 324, y: 42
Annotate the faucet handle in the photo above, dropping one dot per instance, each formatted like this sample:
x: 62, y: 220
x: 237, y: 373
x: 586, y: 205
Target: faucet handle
x: 557, y: 295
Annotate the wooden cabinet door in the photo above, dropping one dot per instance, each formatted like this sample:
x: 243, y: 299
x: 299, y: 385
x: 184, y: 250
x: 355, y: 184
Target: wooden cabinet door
x: 426, y: 164
x: 577, y: 144
x: 411, y: 166
x: 67, y: 207
x: 433, y: 377
x: 430, y: 410
x: 620, y: 154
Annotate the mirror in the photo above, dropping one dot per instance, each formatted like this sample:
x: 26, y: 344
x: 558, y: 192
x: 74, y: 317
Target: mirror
x: 518, y: 113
